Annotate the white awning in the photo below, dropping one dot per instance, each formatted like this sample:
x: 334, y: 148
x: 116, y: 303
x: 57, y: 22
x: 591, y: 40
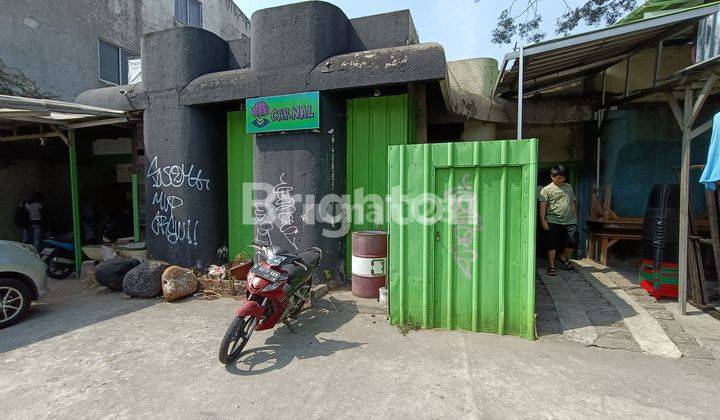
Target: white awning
x: 569, y: 59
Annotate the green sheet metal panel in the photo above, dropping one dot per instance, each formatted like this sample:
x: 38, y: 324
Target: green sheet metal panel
x: 474, y: 269
x: 240, y: 170
x: 373, y: 124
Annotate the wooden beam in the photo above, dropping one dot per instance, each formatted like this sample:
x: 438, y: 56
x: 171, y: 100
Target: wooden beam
x: 703, y: 128
x: 670, y: 98
x: 28, y: 137
x: 96, y: 123
x: 61, y: 135
x: 704, y: 93
x: 684, y: 203
x: 22, y: 113
x: 712, y: 207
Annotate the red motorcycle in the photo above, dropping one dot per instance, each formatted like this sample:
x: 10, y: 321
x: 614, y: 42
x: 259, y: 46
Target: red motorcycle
x: 275, y: 290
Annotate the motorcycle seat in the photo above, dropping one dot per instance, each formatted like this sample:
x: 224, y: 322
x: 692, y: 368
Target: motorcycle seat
x: 309, y: 257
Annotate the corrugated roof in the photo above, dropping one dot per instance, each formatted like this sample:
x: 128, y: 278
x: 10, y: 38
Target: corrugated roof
x: 655, y: 7
x: 565, y: 60
x: 18, y: 112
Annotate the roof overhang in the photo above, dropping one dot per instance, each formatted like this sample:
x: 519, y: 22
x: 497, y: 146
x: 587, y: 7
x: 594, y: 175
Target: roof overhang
x: 569, y: 59
x: 20, y: 117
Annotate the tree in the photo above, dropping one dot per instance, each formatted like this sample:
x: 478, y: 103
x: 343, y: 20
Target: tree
x: 522, y: 18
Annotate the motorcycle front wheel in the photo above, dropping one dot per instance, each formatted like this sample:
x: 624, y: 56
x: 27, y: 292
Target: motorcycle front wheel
x: 236, y: 337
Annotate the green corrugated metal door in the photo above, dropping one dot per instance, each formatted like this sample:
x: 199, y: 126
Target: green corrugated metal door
x: 472, y: 266
x: 240, y: 170
x: 373, y: 124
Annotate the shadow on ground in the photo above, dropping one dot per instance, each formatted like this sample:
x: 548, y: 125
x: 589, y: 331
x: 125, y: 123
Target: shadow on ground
x: 305, y: 343
x: 69, y: 306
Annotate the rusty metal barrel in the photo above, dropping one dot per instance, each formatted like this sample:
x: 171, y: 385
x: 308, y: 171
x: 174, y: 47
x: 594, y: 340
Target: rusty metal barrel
x: 369, y: 262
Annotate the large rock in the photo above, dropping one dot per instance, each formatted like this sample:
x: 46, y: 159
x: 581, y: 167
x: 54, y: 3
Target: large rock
x: 178, y: 282
x: 87, y: 273
x: 110, y: 273
x: 145, y: 280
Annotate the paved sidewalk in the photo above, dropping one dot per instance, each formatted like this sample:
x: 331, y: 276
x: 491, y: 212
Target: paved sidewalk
x: 137, y: 358
x: 599, y: 306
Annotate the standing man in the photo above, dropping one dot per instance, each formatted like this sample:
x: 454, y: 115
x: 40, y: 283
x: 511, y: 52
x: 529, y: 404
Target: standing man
x: 558, y: 217
x: 32, y: 234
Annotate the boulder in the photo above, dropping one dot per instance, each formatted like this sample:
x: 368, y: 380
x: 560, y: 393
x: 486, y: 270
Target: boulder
x: 87, y: 273
x: 110, y: 273
x: 145, y: 280
x: 178, y: 282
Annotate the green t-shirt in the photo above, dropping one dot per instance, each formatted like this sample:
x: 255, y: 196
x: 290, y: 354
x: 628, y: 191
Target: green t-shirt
x: 559, y: 203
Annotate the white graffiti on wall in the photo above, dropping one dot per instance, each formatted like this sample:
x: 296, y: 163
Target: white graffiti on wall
x: 276, y: 210
x: 164, y: 222
x: 463, y: 211
x: 285, y: 208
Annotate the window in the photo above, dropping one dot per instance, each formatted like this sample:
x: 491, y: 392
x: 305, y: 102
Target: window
x: 189, y: 12
x: 113, y: 63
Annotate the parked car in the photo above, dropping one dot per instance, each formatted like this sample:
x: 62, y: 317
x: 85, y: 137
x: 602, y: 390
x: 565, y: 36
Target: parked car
x: 23, y: 279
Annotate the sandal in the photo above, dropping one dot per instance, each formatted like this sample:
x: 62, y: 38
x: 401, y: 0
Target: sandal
x: 567, y: 264
x: 552, y: 272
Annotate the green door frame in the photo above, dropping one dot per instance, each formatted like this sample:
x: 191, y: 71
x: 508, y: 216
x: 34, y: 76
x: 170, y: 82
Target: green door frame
x: 240, y: 171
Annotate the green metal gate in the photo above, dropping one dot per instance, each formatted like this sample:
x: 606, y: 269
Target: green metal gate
x: 471, y: 264
x: 240, y: 170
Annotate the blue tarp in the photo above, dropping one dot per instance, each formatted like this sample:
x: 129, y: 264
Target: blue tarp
x: 711, y: 174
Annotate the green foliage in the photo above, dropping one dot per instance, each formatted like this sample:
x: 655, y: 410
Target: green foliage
x: 518, y: 22
x: 14, y: 82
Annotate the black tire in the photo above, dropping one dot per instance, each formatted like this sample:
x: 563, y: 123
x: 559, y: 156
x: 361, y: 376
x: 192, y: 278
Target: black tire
x: 15, y: 301
x: 57, y: 270
x: 235, y: 340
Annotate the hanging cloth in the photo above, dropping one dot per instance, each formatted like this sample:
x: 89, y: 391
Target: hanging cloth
x: 711, y: 174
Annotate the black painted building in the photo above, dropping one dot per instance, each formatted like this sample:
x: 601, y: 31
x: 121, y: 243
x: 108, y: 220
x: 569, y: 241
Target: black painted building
x: 198, y: 152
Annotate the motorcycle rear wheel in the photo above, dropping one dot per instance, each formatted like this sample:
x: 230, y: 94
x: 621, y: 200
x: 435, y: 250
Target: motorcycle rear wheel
x: 236, y: 337
x: 58, y: 270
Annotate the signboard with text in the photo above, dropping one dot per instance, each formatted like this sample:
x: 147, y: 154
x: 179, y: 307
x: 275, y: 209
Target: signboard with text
x: 299, y: 111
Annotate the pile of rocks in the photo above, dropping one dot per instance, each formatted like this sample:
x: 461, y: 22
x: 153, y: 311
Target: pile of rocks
x: 145, y: 278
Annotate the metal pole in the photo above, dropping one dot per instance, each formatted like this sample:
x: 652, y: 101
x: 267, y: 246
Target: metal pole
x: 75, y: 201
x: 521, y: 71
x: 136, y: 210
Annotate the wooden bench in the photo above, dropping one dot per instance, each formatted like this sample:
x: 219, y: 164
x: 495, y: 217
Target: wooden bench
x: 606, y: 240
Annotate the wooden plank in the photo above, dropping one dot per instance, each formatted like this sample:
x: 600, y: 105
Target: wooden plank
x: 712, y: 205
x: 607, y: 199
x: 61, y: 135
x: 670, y: 98
x: 704, y: 93
x: 28, y: 137
x: 701, y: 129
x: 684, y: 200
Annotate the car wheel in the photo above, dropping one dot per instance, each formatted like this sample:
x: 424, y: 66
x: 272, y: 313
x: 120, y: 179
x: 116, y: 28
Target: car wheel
x: 14, y: 302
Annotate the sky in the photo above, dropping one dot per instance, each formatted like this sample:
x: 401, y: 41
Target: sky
x: 462, y: 27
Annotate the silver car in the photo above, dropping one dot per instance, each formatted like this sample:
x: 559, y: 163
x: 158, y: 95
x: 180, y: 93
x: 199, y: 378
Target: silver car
x: 22, y: 280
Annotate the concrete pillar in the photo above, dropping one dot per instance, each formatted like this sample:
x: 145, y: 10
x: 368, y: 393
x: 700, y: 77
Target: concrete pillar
x: 185, y: 162
x: 418, y: 96
x: 301, y: 169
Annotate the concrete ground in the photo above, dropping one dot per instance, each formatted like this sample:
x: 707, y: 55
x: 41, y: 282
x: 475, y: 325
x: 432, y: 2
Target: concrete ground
x: 86, y: 355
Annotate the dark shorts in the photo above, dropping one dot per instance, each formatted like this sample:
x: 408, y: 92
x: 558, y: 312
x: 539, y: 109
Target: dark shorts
x: 561, y: 236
